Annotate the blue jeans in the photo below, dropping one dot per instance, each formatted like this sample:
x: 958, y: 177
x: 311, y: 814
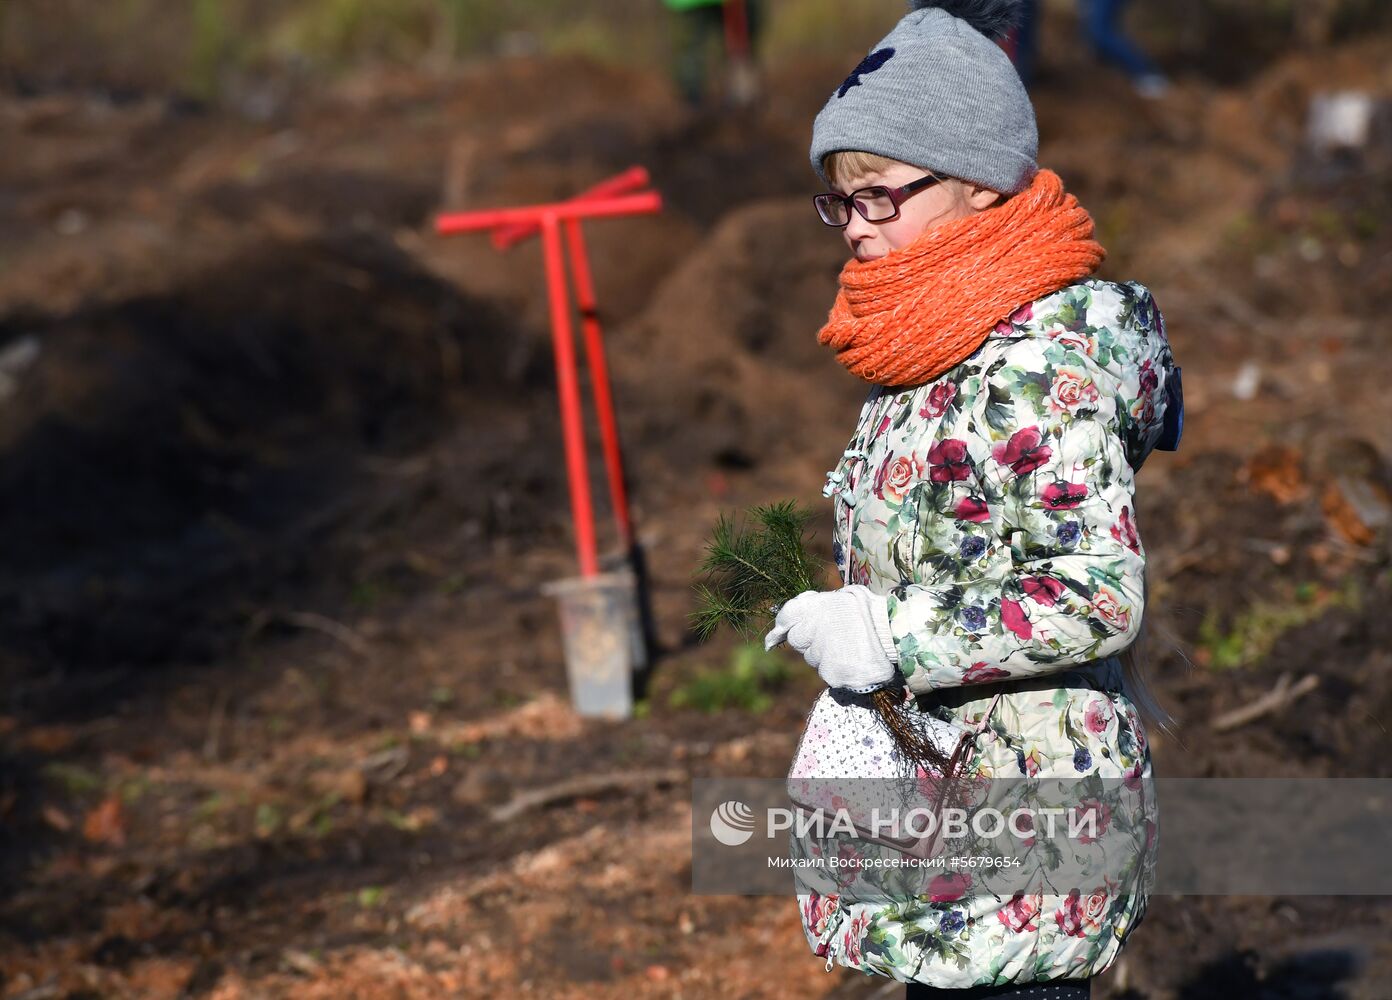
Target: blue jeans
x: 1101, y: 25
x: 1109, y: 41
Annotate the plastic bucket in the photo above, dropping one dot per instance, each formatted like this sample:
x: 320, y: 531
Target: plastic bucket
x: 603, y: 641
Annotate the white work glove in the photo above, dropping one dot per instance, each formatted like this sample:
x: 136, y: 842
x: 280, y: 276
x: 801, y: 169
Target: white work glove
x: 843, y: 634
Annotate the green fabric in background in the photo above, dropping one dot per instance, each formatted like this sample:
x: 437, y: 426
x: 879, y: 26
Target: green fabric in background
x: 691, y: 4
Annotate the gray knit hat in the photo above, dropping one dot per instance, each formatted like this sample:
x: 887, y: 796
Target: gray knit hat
x: 939, y: 93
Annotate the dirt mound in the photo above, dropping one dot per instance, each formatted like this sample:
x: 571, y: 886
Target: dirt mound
x: 724, y: 364
x: 169, y: 463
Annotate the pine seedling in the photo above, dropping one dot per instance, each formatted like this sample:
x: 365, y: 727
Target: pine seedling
x: 752, y: 568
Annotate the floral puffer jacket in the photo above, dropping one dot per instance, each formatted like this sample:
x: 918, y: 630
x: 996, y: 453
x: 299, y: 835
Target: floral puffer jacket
x: 994, y: 507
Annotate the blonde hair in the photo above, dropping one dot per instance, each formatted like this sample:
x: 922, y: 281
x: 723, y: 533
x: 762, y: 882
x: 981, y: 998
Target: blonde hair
x: 843, y: 164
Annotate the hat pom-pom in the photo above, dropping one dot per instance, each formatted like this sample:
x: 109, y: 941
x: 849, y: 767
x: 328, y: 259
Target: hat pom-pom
x: 993, y: 18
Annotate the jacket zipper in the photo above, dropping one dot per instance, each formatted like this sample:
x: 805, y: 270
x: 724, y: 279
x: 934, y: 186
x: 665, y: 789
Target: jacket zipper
x: 828, y: 937
x: 843, y: 480
x: 875, y: 410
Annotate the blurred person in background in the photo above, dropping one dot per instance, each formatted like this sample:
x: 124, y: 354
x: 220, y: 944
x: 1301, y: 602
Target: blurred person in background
x: 1100, y: 21
x: 697, y: 26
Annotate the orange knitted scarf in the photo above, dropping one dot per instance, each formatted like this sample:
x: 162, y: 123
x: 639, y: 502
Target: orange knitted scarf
x: 922, y: 309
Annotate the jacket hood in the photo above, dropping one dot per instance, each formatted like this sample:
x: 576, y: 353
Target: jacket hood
x: 1118, y: 328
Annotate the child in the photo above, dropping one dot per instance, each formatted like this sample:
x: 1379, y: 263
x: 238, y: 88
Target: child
x: 985, y: 520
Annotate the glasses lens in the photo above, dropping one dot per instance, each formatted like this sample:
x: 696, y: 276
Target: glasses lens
x: 875, y: 204
x: 832, y: 209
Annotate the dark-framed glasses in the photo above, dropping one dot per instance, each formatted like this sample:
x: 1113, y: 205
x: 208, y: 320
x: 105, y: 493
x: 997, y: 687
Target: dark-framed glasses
x: 877, y: 203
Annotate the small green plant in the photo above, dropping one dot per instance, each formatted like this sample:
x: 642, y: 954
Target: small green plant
x: 134, y: 789
x: 72, y: 778
x: 507, y: 699
x: 752, y: 569
x: 210, y: 807
x: 1255, y: 632
x: 366, y: 594
x: 268, y: 819
x: 744, y: 684
x: 440, y: 696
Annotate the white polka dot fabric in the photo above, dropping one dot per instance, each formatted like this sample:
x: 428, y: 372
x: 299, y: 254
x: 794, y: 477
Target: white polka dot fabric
x: 844, y: 740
